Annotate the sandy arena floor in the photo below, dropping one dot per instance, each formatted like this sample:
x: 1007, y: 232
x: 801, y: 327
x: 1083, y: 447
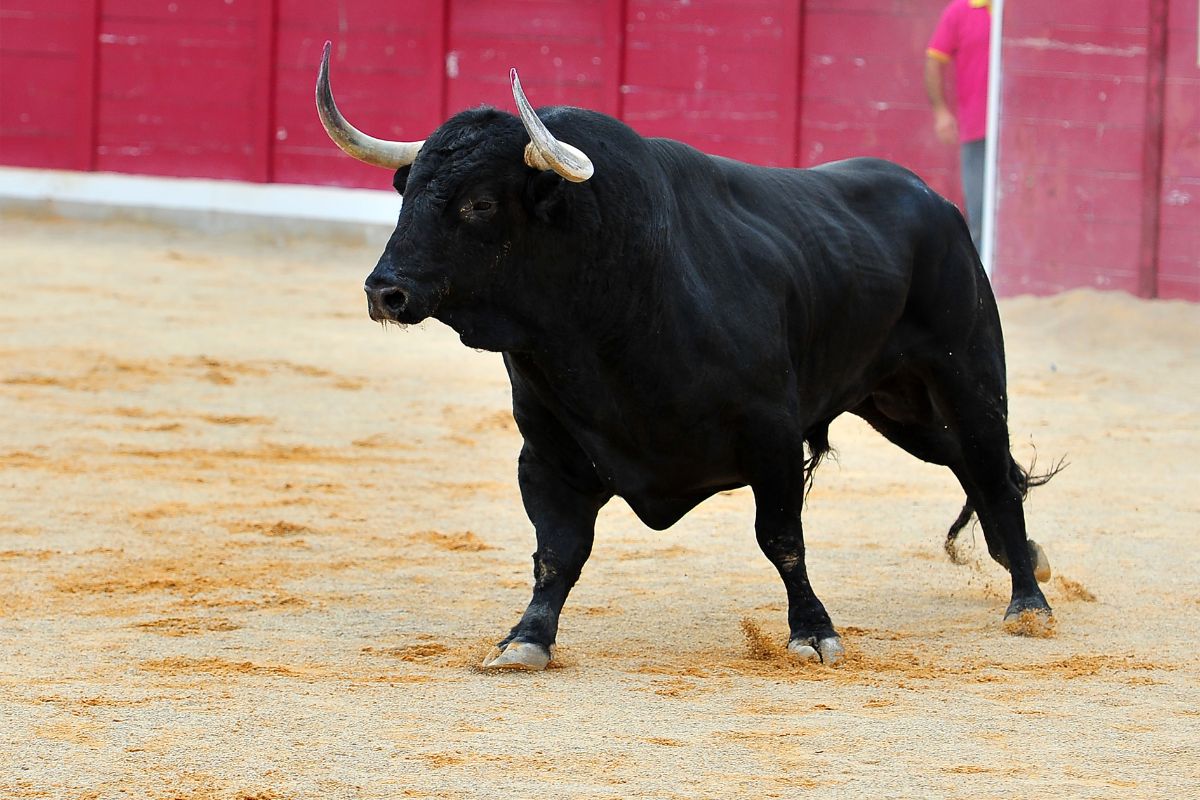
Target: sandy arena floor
x: 252, y: 547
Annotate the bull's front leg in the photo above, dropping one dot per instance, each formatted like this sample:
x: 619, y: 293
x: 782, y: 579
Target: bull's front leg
x: 564, y: 518
x: 778, y: 500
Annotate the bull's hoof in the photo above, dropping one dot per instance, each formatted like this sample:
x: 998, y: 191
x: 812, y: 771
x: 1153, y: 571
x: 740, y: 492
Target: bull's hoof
x: 517, y: 655
x: 1036, y: 622
x: 1041, y: 564
x: 957, y: 550
x: 828, y: 650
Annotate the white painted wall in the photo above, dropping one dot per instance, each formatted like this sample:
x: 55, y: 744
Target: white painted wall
x: 56, y: 189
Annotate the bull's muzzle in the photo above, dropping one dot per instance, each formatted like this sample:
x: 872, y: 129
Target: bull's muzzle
x: 391, y: 303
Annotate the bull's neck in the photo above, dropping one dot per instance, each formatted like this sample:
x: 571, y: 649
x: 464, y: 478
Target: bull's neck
x: 612, y: 321
x: 617, y: 287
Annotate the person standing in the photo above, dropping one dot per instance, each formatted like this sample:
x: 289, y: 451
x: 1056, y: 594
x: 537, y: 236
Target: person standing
x: 962, y: 36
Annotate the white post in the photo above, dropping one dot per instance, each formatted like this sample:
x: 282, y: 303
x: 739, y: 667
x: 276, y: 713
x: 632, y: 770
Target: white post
x: 993, y: 137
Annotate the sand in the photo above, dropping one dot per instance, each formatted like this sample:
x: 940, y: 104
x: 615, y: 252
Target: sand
x: 252, y: 547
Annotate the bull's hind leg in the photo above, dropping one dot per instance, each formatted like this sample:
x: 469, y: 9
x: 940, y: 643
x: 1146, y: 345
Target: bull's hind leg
x: 970, y: 397
x: 1041, y: 564
x: 778, y: 500
x: 903, y: 413
x: 564, y: 519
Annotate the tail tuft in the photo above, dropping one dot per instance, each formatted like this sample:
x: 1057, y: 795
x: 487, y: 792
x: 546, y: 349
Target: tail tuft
x: 817, y: 441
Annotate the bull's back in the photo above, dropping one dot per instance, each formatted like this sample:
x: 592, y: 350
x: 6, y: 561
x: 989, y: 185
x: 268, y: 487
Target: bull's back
x: 850, y: 225
x: 839, y: 266
x: 877, y: 235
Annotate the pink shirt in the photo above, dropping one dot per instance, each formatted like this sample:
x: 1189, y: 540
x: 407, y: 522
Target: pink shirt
x: 962, y: 35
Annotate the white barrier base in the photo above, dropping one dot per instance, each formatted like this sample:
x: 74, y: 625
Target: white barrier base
x: 195, y: 202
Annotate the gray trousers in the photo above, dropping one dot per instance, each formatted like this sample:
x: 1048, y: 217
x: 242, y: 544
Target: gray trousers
x: 972, y: 181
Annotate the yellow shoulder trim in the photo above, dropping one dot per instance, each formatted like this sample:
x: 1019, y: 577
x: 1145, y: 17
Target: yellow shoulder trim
x: 938, y: 54
x: 980, y: 3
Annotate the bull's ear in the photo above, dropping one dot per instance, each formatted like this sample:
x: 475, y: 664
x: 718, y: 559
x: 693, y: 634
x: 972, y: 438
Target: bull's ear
x: 401, y: 179
x: 544, y: 196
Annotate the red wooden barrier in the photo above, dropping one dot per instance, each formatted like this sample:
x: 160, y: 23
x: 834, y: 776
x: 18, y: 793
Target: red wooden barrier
x: 47, y: 71
x: 1178, y: 252
x: 568, y: 53
x: 863, y: 87
x: 386, y: 72
x: 1099, y: 174
x: 723, y: 76
x: 183, y: 88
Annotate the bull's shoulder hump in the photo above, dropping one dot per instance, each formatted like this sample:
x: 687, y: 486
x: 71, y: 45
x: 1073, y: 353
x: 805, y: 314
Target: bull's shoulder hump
x: 865, y: 168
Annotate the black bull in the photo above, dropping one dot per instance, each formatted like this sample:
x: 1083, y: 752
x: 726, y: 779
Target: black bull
x: 681, y: 324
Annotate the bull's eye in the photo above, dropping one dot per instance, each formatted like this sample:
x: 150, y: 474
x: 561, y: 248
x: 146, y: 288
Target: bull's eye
x: 477, y: 209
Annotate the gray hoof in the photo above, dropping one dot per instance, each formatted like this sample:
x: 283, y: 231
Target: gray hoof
x: 828, y: 650
x: 1037, y: 623
x: 517, y: 655
x: 1041, y: 564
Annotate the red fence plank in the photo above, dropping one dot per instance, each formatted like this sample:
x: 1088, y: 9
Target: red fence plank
x: 183, y: 11
x: 1099, y: 158
x: 567, y: 51
x: 386, y: 71
x: 722, y: 76
x: 1068, y: 50
x: 47, y: 64
x: 1179, y: 194
x: 1080, y: 14
x: 177, y: 93
x: 863, y: 87
x: 1069, y: 214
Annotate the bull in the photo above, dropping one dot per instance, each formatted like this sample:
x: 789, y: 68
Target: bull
x: 675, y: 324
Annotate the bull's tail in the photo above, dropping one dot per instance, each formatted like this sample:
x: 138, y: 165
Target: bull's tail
x: 1026, y: 479
x: 817, y: 440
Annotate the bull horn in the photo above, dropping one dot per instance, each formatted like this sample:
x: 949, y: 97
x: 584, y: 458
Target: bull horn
x: 377, y: 152
x: 543, y: 150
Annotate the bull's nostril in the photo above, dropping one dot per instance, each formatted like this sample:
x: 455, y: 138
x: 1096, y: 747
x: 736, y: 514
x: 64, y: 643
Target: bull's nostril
x: 387, y: 302
x: 394, y: 299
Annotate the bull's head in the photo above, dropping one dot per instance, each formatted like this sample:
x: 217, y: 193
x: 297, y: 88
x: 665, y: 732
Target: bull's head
x: 482, y: 191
